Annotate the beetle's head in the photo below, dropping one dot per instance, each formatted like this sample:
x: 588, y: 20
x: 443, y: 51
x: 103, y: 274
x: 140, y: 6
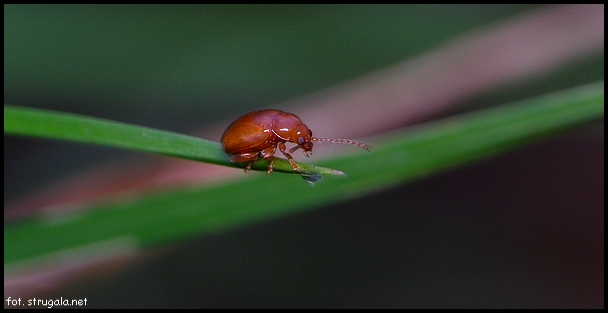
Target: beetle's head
x: 304, y: 138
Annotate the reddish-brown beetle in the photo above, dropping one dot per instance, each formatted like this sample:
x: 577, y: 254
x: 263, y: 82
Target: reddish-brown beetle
x: 257, y: 135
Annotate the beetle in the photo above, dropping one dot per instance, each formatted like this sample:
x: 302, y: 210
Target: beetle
x: 258, y: 134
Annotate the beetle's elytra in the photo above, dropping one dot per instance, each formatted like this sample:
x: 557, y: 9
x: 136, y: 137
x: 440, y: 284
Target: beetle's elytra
x: 257, y: 135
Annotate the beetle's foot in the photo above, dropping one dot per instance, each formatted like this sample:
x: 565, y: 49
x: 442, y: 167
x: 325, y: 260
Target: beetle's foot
x: 294, y: 165
x: 248, y: 168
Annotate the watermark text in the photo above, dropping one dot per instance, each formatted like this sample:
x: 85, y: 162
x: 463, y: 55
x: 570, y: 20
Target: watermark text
x: 49, y: 303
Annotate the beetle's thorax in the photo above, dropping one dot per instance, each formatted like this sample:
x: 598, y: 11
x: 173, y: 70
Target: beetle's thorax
x: 288, y: 127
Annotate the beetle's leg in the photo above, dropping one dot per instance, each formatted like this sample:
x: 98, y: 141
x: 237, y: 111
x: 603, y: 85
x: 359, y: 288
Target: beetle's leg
x: 271, y: 165
x: 288, y: 156
x: 245, y: 157
x: 292, y: 150
x: 268, y: 154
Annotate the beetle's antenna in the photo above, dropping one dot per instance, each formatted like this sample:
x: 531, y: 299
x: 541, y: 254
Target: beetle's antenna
x: 344, y: 141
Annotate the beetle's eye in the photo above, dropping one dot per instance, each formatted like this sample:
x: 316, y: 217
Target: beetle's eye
x: 301, y: 140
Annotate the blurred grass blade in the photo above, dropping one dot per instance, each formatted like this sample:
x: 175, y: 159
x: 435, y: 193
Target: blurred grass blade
x: 165, y: 217
x: 65, y: 126
x: 451, y: 142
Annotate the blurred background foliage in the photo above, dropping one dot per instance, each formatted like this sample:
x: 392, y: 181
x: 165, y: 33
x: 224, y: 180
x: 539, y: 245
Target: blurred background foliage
x: 180, y: 67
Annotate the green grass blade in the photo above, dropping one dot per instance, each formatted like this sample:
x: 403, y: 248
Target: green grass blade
x: 65, y: 126
x: 448, y: 143
x: 165, y: 217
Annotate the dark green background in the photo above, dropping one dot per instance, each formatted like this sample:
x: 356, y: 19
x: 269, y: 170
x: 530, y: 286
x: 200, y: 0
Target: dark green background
x: 520, y: 230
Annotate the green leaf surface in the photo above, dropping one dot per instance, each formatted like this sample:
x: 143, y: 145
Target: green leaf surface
x: 73, y: 127
x: 402, y: 156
